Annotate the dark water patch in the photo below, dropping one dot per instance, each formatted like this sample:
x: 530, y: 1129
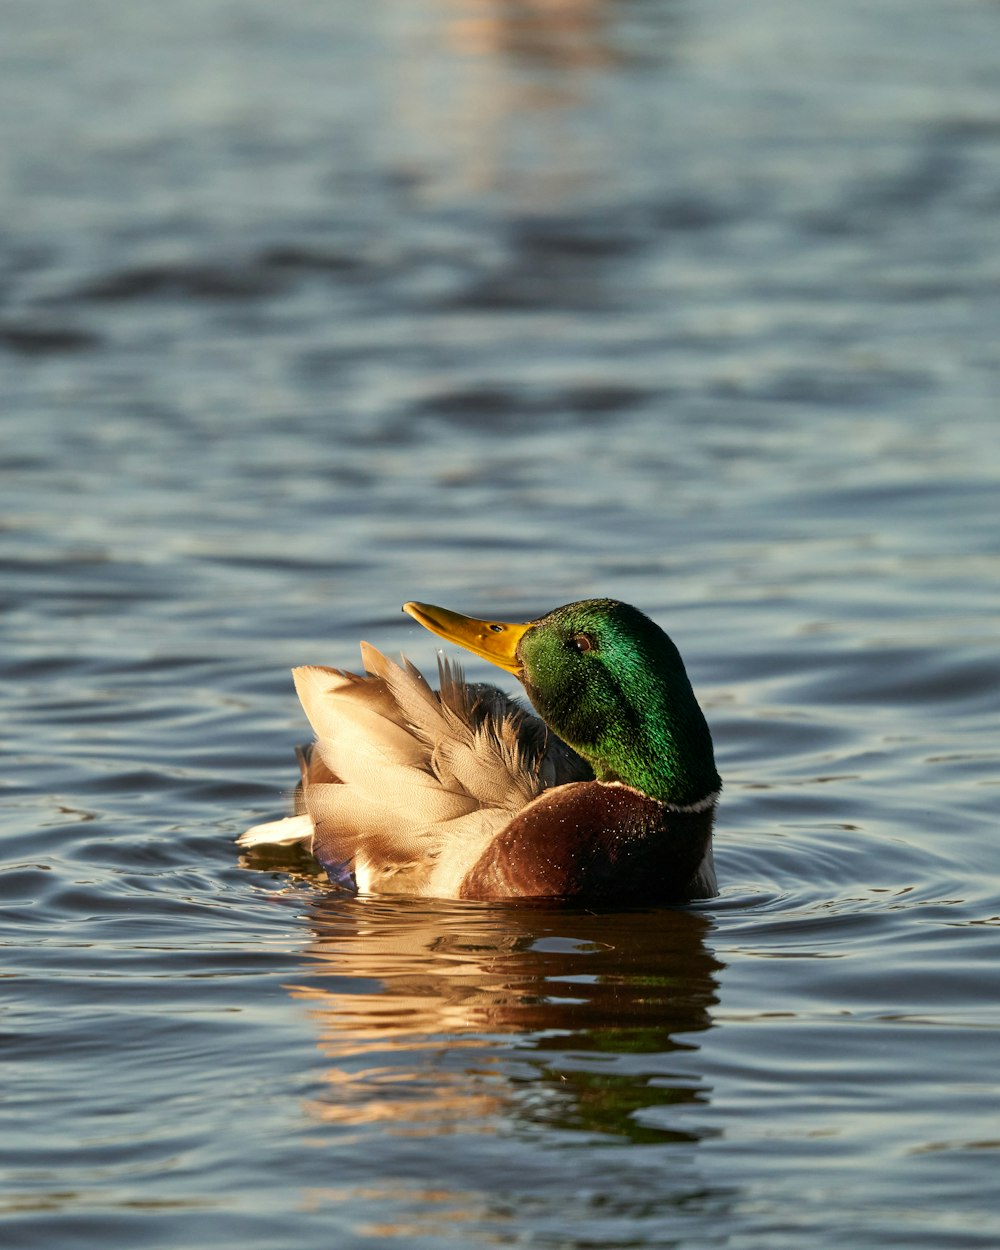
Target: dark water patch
x: 228, y: 793
x: 475, y: 403
x: 37, y: 339
x: 545, y: 266
x: 970, y: 129
x: 936, y: 173
x: 90, y: 578
x: 185, y: 281
x: 20, y: 667
x: 299, y: 259
x: 521, y: 289
x: 586, y: 239
x: 525, y: 407
x: 121, y: 851
x: 913, y: 285
x: 783, y: 732
x: 906, y: 676
x: 23, y: 882
x: 693, y: 212
x: 289, y: 563
x: 827, y: 387
x: 605, y: 399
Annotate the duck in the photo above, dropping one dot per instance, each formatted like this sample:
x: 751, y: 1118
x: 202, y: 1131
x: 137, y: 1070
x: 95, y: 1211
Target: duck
x: 604, y: 793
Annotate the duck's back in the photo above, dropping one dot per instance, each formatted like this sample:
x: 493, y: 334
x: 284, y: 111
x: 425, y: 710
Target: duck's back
x: 404, y: 788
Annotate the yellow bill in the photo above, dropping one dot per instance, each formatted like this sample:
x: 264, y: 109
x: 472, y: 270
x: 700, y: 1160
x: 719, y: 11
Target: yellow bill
x: 495, y: 641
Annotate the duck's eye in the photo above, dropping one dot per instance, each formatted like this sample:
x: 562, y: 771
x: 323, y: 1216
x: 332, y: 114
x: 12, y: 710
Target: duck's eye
x: 583, y: 642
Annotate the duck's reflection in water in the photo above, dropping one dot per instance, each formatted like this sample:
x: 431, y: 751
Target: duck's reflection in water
x: 444, y: 1017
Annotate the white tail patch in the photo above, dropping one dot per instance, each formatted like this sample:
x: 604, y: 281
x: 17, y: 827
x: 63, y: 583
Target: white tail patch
x: 278, y: 832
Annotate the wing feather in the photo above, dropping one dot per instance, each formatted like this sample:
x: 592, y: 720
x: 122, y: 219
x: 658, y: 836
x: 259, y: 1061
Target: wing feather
x: 405, y: 786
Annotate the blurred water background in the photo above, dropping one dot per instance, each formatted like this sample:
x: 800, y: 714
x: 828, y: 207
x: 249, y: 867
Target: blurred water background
x: 307, y: 309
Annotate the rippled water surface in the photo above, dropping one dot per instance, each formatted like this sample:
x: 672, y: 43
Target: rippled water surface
x: 309, y: 309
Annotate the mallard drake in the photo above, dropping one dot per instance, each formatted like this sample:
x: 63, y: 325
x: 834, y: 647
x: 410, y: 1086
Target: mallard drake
x: 463, y: 793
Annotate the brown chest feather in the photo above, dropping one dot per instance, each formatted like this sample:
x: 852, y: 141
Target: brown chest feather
x: 593, y: 842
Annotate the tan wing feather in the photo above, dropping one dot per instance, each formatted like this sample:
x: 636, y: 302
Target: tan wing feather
x: 405, y: 786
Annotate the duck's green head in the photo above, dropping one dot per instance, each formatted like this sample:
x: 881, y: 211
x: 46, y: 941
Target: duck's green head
x: 610, y: 683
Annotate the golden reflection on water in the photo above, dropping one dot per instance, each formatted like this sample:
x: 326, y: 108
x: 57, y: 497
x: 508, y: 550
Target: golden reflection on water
x: 439, y: 1018
x: 554, y: 33
x: 486, y: 95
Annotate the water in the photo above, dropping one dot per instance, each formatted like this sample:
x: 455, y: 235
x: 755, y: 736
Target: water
x: 306, y: 310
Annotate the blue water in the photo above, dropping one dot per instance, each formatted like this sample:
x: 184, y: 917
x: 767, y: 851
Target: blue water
x: 307, y: 310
